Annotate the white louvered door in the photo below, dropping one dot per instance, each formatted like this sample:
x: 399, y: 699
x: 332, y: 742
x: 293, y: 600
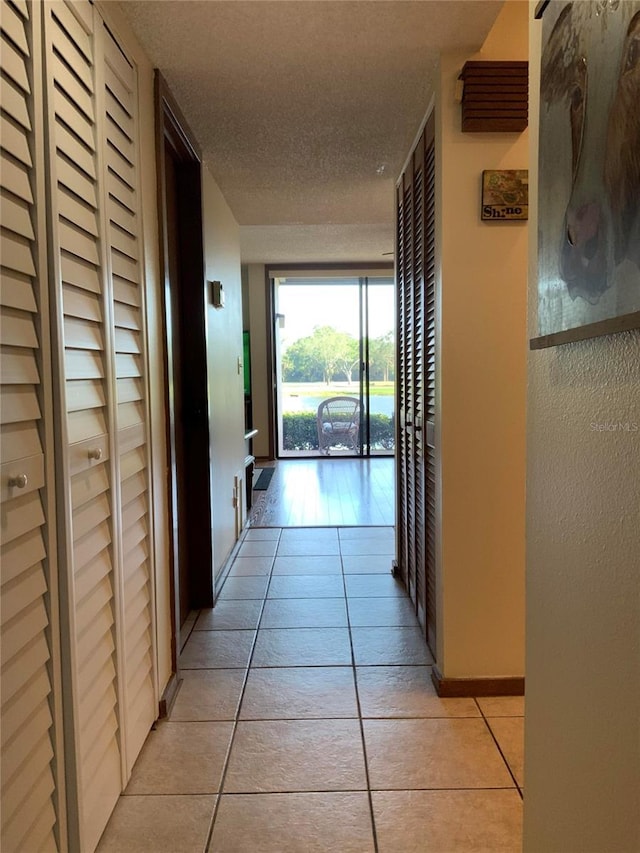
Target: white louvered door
x: 30, y: 685
x: 132, y: 421
x: 77, y: 617
x: 87, y: 405
x: 95, y: 238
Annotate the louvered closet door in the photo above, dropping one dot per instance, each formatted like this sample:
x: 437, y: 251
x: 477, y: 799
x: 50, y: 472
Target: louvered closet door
x: 401, y: 385
x: 87, y: 395
x: 406, y: 484
x: 416, y: 377
x: 29, y: 685
x: 96, y: 236
x: 132, y: 422
x: 430, y: 380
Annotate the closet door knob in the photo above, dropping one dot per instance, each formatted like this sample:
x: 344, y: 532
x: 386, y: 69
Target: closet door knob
x: 95, y: 453
x: 19, y: 481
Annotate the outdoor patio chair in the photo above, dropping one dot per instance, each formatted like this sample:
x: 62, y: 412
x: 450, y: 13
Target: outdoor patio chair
x: 339, y: 424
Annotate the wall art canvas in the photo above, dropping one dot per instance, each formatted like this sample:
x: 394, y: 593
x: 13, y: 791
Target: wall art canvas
x: 589, y: 178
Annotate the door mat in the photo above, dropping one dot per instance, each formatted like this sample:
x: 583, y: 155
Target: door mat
x: 262, y: 483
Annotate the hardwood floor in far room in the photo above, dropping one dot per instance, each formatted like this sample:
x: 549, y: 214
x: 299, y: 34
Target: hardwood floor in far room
x: 327, y: 492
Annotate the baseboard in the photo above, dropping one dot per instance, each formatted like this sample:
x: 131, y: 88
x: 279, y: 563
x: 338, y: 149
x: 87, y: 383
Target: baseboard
x: 168, y: 697
x: 448, y: 688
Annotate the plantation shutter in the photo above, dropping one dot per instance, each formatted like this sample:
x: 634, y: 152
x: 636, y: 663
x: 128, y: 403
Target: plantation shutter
x: 126, y: 294
x: 416, y: 378
x: 29, y: 706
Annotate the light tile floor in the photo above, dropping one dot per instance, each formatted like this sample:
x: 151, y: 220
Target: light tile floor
x: 307, y: 721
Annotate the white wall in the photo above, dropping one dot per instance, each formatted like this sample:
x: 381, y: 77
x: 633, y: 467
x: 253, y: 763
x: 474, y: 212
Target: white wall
x: 224, y: 363
x: 582, y: 747
x: 481, y: 385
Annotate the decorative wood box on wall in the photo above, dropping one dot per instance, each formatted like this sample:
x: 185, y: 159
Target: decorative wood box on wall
x: 495, y: 97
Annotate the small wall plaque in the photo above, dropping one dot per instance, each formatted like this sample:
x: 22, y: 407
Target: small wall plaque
x: 505, y: 195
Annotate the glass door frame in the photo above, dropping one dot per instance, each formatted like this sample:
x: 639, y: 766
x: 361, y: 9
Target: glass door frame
x: 363, y: 344
x: 363, y: 274
x: 368, y: 283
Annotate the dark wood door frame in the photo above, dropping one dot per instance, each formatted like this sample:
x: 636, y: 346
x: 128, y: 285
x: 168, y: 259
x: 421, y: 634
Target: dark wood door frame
x: 184, y: 308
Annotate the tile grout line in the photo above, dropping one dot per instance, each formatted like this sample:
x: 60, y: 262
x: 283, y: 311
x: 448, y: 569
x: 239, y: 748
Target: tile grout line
x: 225, y: 766
x: 191, y: 630
x: 337, y: 791
x: 499, y: 748
x: 243, y: 690
x: 359, y: 709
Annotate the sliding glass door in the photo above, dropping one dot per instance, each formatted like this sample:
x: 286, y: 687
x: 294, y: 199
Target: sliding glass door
x: 335, y: 358
x: 379, y: 357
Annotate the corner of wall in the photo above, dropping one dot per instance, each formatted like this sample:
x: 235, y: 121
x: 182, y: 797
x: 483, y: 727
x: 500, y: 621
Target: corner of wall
x: 509, y: 36
x: 482, y: 378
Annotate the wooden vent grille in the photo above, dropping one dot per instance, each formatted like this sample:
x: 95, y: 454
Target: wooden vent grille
x: 495, y: 97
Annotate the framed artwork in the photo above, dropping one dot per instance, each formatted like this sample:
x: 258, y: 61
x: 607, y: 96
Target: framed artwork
x: 589, y: 170
x: 505, y: 195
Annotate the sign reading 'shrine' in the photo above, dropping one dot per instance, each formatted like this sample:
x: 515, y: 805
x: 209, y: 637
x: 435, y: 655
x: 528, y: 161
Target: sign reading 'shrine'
x: 505, y: 195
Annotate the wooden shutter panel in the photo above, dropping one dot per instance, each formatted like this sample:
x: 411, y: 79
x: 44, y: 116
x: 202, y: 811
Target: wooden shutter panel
x: 406, y: 386
x: 401, y: 386
x: 127, y: 303
x: 30, y: 740
x: 416, y: 378
x: 401, y: 389
x: 86, y: 394
x: 430, y: 382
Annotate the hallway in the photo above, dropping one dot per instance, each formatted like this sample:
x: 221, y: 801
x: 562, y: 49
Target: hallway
x: 307, y: 721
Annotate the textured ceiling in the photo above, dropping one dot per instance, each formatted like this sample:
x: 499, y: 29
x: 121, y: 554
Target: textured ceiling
x: 306, y: 109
